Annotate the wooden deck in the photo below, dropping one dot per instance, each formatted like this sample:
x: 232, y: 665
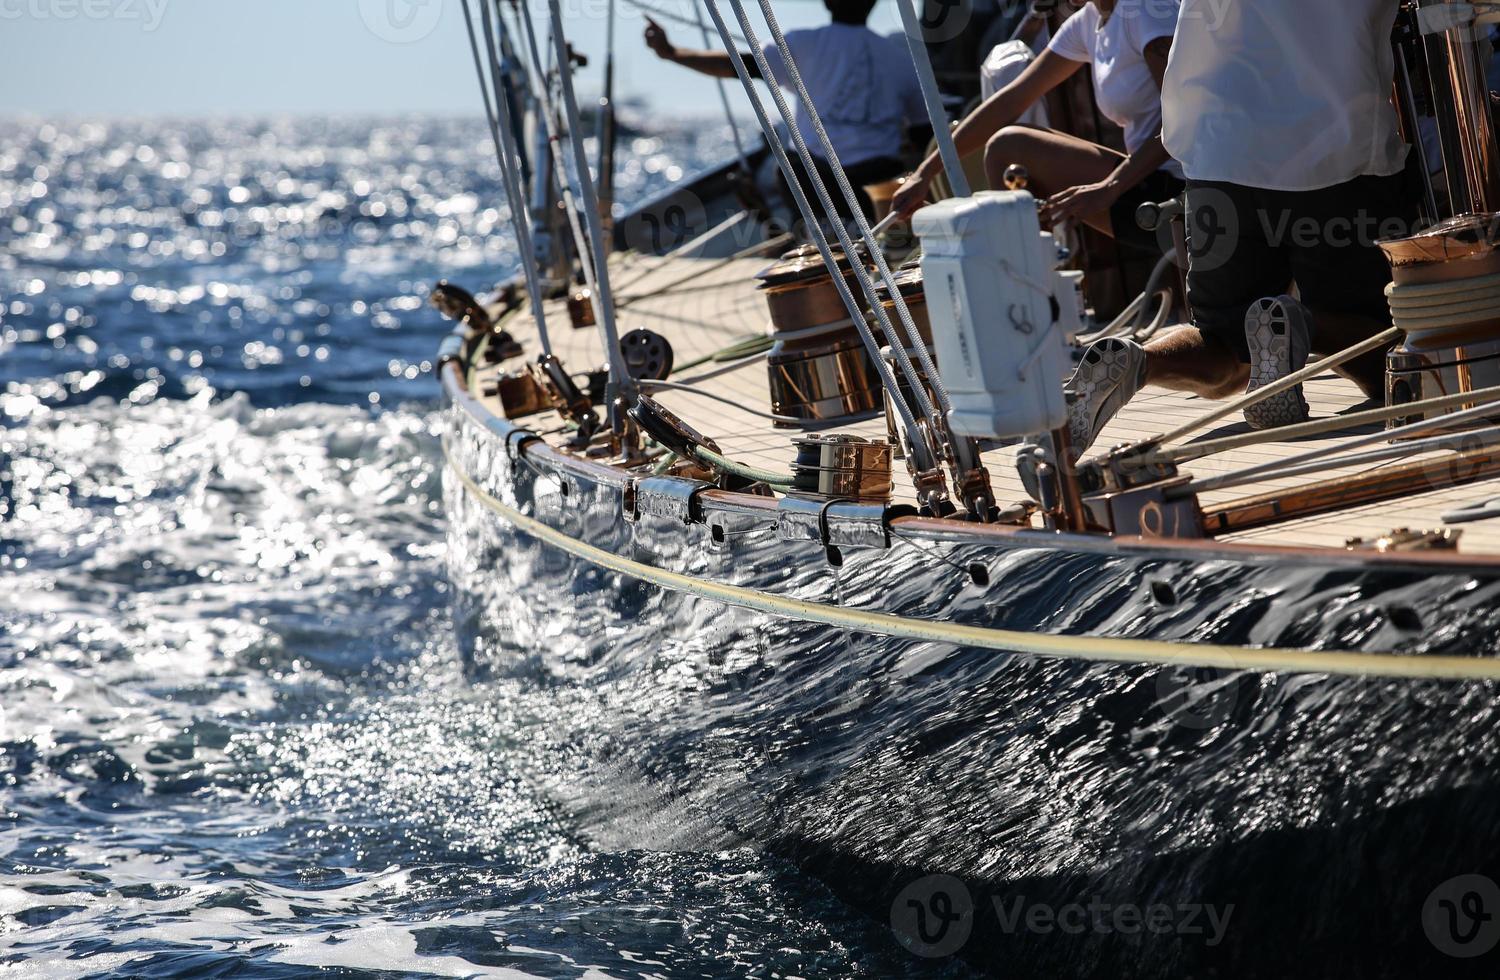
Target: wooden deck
x: 719, y: 305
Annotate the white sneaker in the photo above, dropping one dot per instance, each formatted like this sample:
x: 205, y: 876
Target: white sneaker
x: 1111, y: 372
x: 1277, y: 335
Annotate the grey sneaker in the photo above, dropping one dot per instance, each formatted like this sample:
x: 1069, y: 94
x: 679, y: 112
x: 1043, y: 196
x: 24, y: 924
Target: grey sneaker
x: 1111, y: 372
x: 1276, y: 332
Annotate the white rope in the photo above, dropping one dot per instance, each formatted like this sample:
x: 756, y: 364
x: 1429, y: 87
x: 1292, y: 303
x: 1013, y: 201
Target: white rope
x: 926, y: 453
x: 1283, y: 467
x: 1289, y: 433
x: 1419, y: 309
x: 1463, y: 441
x: 1277, y: 387
x: 508, y: 157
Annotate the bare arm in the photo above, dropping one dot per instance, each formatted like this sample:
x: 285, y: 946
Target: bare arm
x: 1148, y: 158
x: 1043, y: 75
x: 716, y: 64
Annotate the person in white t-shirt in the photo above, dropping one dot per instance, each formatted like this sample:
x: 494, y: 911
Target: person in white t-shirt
x: 1126, y: 44
x: 1280, y: 113
x: 863, y: 85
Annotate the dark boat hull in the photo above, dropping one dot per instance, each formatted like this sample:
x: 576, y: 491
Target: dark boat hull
x: 1087, y: 817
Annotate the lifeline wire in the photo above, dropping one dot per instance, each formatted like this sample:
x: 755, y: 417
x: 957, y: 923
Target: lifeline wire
x: 604, y: 306
x: 820, y: 239
x: 505, y: 152
x: 1095, y: 649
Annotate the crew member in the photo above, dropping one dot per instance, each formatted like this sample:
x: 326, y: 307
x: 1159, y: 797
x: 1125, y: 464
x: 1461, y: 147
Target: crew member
x: 1280, y: 113
x: 862, y: 84
x: 1126, y: 44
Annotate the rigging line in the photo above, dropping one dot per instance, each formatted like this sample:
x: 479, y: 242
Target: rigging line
x: 604, y: 123
x: 935, y: 406
x: 912, y: 28
x: 1329, y: 458
x: 508, y: 61
x: 561, y: 174
x: 1277, y: 387
x: 505, y: 155
x: 604, y: 307
x: 674, y: 17
x: 1463, y: 442
x: 734, y: 127
x: 1288, y: 433
x: 937, y: 414
x: 1094, y: 649
x: 769, y: 246
x: 918, y: 390
x: 915, y: 436
x: 684, y: 387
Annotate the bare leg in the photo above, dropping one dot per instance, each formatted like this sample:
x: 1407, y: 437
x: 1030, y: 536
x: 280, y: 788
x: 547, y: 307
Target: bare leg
x: 1333, y: 332
x: 1055, y: 161
x: 1182, y: 360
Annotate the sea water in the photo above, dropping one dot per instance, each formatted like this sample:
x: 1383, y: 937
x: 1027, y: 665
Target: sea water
x: 236, y: 736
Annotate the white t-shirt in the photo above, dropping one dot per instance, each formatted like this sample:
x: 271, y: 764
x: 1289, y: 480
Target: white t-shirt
x: 1288, y: 95
x: 1126, y: 92
x: 862, y: 83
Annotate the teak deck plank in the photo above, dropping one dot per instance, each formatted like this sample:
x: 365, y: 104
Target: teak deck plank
x: 721, y: 305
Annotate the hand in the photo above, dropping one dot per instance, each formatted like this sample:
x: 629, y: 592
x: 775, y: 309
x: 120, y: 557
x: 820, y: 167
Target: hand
x: 1080, y: 202
x: 912, y: 194
x: 657, y: 40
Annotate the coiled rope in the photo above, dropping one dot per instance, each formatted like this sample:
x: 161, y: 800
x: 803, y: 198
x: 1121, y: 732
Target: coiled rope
x: 1425, y: 307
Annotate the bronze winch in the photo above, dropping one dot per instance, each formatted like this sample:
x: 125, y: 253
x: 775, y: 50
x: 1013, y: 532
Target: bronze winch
x: 1445, y: 298
x: 843, y: 466
x: 820, y: 372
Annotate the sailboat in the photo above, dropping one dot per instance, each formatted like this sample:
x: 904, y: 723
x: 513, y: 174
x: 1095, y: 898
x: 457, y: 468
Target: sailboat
x: 1224, y: 700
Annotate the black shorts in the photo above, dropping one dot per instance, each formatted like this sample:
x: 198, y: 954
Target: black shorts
x: 1160, y: 186
x: 1245, y: 243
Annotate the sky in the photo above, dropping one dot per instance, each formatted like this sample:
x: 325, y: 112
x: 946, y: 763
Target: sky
x: 110, y: 58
